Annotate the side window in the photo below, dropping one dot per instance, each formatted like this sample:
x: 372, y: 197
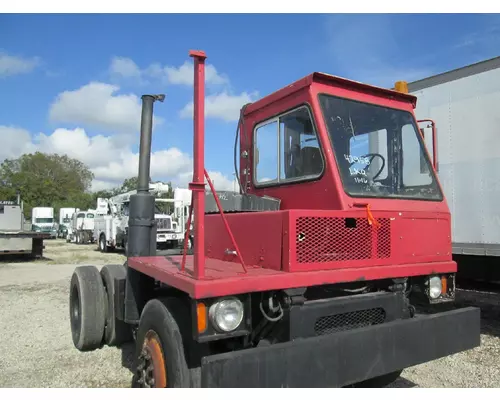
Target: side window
x: 81, y: 215
x: 415, y: 167
x: 287, y: 148
x: 300, y: 155
x: 266, y: 152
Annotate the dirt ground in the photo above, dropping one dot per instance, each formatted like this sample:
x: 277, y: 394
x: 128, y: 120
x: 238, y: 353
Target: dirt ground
x: 37, y: 350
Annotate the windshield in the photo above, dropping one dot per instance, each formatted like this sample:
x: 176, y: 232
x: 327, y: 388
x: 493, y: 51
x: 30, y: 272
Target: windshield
x: 379, y: 151
x: 44, y: 220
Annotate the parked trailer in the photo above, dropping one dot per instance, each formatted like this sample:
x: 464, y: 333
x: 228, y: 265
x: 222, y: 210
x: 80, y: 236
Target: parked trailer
x: 315, y: 275
x: 14, y: 239
x: 462, y: 106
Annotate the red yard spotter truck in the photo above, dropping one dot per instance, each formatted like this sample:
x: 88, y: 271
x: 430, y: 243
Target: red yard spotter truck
x: 329, y: 268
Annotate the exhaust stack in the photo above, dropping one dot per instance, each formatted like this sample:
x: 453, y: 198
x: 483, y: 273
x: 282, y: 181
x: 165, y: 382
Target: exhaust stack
x: 141, y: 235
x: 141, y: 223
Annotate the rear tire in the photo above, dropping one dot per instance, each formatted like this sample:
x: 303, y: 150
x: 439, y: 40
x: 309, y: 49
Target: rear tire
x: 87, y: 307
x: 116, y: 332
x: 159, y: 345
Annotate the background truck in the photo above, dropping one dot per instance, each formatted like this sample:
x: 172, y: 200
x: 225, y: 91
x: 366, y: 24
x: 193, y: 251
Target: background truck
x: 81, y: 230
x: 65, y: 215
x: 14, y: 238
x: 111, y: 229
x: 323, y: 271
x: 182, y: 204
x: 462, y: 104
x: 42, y: 220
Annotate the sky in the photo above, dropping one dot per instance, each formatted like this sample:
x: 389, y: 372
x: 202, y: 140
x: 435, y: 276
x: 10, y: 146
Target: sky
x: 71, y: 84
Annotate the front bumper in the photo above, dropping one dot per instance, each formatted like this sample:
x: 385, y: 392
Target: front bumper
x: 163, y: 237
x: 347, y: 357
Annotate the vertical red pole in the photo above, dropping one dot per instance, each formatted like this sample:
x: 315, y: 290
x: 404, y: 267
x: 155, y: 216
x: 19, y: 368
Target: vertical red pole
x: 198, y: 184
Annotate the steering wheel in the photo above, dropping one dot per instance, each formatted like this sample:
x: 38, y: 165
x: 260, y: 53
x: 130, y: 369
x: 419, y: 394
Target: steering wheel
x: 372, y: 156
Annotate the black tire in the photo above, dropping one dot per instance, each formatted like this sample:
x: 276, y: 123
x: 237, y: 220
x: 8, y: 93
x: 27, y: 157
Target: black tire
x: 116, y: 332
x: 379, y: 381
x: 87, y: 308
x: 157, y: 321
x: 103, y: 247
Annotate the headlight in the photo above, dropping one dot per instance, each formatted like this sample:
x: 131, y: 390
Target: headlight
x: 434, y: 287
x: 226, y: 315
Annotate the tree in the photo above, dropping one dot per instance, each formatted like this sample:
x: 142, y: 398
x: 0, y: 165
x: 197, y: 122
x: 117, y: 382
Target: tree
x: 130, y: 184
x: 46, y: 180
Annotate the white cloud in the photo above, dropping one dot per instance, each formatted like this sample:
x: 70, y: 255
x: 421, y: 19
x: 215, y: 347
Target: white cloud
x: 14, y: 65
x: 222, y: 182
x: 98, y: 105
x: 109, y: 159
x: 183, y: 75
x: 222, y: 105
x: 102, y: 185
x: 15, y: 141
x: 124, y: 67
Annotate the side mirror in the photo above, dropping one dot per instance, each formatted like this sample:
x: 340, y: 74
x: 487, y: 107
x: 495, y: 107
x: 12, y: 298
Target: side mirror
x: 430, y: 124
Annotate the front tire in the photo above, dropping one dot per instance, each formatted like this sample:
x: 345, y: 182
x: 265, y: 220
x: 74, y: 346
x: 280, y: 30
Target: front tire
x: 87, y: 308
x: 160, y: 360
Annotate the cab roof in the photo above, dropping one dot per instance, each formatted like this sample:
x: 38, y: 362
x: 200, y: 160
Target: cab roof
x: 332, y: 80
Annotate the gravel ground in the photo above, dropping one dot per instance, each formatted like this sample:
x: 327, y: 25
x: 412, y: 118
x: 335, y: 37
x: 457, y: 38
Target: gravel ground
x: 37, y: 350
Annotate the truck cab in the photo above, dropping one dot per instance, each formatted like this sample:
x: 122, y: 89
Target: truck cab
x: 65, y: 217
x: 327, y: 143
x: 42, y: 220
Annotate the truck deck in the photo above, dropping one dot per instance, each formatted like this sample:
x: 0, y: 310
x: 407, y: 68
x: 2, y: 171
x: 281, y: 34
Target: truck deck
x: 22, y: 242
x: 224, y: 277
x: 25, y: 234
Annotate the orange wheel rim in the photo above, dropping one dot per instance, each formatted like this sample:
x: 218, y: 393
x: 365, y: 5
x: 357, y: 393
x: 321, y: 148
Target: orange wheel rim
x: 151, y: 371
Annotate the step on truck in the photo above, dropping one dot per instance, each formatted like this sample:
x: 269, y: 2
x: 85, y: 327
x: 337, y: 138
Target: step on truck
x: 329, y: 268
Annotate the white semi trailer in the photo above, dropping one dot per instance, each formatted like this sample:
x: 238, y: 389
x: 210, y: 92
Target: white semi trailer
x: 463, y: 105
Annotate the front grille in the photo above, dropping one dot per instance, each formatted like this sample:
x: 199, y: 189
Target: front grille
x: 349, y: 320
x: 163, y: 224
